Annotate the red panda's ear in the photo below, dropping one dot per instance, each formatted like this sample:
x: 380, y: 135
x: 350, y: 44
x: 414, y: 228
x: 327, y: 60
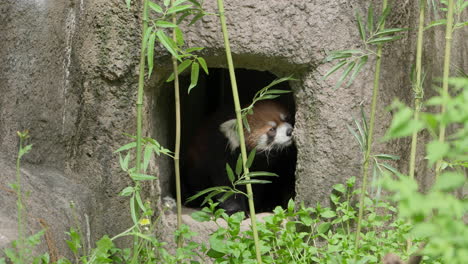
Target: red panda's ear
x: 229, y: 130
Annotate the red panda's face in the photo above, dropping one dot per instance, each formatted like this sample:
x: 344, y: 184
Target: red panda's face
x: 269, y: 129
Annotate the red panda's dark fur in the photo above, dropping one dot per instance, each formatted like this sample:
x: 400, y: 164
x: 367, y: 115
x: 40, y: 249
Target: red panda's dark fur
x: 209, y: 151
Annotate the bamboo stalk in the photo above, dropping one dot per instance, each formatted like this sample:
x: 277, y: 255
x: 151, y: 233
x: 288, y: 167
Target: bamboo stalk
x: 418, y: 91
x: 448, y: 47
x: 240, y: 128
x: 177, y: 135
x: 375, y: 92
x: 19, y: 202
x: 139, y: 106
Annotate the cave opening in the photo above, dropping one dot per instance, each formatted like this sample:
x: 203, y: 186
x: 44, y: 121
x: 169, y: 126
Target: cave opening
x: 212, y: 96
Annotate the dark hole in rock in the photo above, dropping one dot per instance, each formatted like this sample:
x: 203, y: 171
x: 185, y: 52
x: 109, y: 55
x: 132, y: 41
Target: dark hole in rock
x: 208, y: 105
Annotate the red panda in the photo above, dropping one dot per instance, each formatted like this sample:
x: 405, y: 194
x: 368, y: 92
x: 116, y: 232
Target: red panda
x: 217, y: 143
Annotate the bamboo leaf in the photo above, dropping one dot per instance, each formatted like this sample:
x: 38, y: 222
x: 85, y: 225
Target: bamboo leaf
x: 370, y: 19
x: 147, y: 157
x: 179, y: 36
x: 345, y: 73
x: 189, y: 50
x: 203, y: 64
x: 357, y: 70
x: 196, y: 18
x: 460, y: 25
x: 239, y: 165
x: 132, y: 210
x: 150, y: 53
x: 194, y: 76
x: 383, y: 40
x: 436, y: 23
x: 353, y: 132
x: 178, y: 2
x: 245, y: 182
x: 362, y: 30
x: 165, y: 24
x: 334, y: 69
x: 180, y: 69
x: 141, y: 177
x: 387, y: 157
x: 208, y: 190
x: 180, y: 8
x: 230, y: 173
x: 155, y: 7
x: 383, y: 17
x: 167, y: 43
x: 251, y: 158
x: 262, y: 174
x: 126, y: 147
x: 390, y: 31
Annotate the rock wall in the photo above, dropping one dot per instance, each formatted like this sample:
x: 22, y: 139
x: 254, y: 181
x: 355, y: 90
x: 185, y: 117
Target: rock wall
x: 69, y: 75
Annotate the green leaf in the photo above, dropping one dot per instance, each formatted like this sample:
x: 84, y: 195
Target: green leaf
x: 141, y: 177
x: 150, y: 56
x: 402, y: 123
x: 230, y: 173
x: 449, y: 181
x: 387, y: 157
x: 128, y: 2
x: 166, y: 2
x: 383, y: 17
x: 165, y: 24
x: 251, y: 158
x: 361, y: 28
x: 436, y: 23
x: 132, y: 210
x: 262, y: 174
x: 208, y: 190
x: 383, y: 40
x: 178, y: 2
x: 155, y: 7
x: 436, y: 150
x: 203, y: 64
x: 126, y: 147
x: 357, y: 70
x: 214, y: 254
x: 460, y: 25
x: 181, y: 68
x: 370, y: 19
x: 167, y: 43
x: 239, y: 165
x: 340, y: 188
x: 179, y: 8
x: 201, y: 216
x: 179, y: 36
x: 345, y: 73
x: 194, y: 76
x: 147, y: 157
x: 127, y: 191
x: 334, y: 69
x: 196, y: 18
x: 252, y: 181
x: 192, y: 49
x: 323, y: 227
x: 328, y: 214
x: 390, y: 31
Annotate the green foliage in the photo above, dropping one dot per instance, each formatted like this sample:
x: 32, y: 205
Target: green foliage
x: 237, y: 178
x: 372, y: 34
x: 298, y: 234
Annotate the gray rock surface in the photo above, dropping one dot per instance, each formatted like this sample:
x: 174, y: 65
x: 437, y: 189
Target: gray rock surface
x: 68, y: 73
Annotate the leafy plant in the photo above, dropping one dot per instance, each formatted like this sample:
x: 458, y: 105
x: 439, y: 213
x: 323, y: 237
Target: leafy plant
x: 373, y: 35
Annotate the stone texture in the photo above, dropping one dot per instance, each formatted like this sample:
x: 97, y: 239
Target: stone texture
x: 69, y: 75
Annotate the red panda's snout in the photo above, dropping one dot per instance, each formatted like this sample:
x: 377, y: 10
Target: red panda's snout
x: 269, y: 129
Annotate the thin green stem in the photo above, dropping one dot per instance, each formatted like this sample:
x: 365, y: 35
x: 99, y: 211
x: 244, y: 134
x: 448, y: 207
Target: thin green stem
x: 19, y: 204
x: 448, y: 47
x: 177, y: 136
x: 418, y: 89
x: 365, y: 170
x: 139, y: 106
x: 240, y: 128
